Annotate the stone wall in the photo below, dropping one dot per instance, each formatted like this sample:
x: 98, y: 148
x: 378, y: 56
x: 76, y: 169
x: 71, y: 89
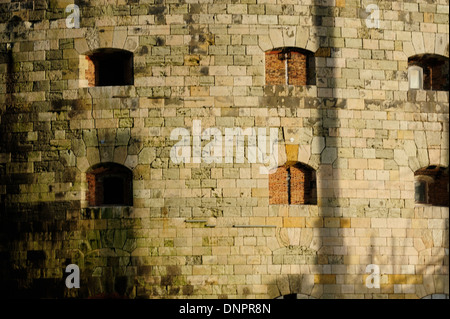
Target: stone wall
x: 207, y: 230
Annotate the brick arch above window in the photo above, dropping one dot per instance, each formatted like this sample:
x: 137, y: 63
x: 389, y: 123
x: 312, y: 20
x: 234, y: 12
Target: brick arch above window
x: 289, y: 66
x: 109, y: 184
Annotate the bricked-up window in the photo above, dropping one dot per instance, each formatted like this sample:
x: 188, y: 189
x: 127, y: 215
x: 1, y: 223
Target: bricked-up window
x: 109, y: 67
x: 293, y: 185
x: 109, y: 184
x: 290, y: 66
x: 434, y: 74
x: 431, y: 185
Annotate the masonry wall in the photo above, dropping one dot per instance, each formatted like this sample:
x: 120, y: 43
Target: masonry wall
x: 208, y: 230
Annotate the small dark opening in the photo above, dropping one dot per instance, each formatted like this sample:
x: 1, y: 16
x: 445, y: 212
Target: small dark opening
x: 109, y: 184
x: 432, y: 185
x: 113, y: 191
x: 113, y: 67
x: 288, y: 179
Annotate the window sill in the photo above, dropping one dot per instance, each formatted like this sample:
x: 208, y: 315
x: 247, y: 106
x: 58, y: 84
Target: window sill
x: 422, y: 205
x: 430, y: 205
x: 293, y: 205
x: 420, y: 95
x: 106, y: 212
x: 290, y: 90
x: 108, y: 92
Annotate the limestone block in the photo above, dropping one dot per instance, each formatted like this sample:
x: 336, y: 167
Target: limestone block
x: 265, y: 43
x: 92, y: 39
x: 78, y: 147
x: 69, y: 158
x: 276, y: 37
x: 410, y: 148
x: 420, y: 139
x: 400, y: 157
x: 414, y: 164
x: 81, y: 45
x: 119, y: 38
x: 122, y: 136
x: 429, y: 42
x: 268, y: 19
x: 312, y: 45
x: 147, y: 155
x: 283, y: 285
x: 434, y: 156
x: 82, y: 163
x: 92, y: 155
x: 433, y: 138
x: 417, y: 40
x: 428, y: 283
x: 317, y: 145
x: 106, y: 136
x: 301, y: 36
x: 409, y: 49
x: 441, y: 44
x: 105, y: 37
x: 329, y: 155
x: 131, y: 43
x: 289, y: 36
x: 304, y: 153
x: 106, y: 153
x: 120, y: 154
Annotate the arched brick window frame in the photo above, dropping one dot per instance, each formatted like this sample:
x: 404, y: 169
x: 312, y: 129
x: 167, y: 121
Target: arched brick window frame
x: 290, y: 66
x: 431, y: 185
x: 107, y: 67
x: 293, y: 185
x: 432, y: 70
x: 109, y: 184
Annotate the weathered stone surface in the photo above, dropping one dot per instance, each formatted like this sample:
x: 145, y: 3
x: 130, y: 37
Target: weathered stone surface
x: 328, y: 155
x: 87, y: 176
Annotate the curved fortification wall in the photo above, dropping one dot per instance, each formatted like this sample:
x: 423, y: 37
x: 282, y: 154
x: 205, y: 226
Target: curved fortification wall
x: 224, y: 148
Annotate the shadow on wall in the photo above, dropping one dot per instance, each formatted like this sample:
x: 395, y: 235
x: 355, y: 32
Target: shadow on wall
x: 315, y: 248
x: 405, y: 254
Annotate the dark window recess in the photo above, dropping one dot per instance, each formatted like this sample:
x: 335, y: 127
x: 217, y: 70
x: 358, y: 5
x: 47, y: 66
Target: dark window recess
x: 435, y: 71
x: 109, y: 184
x: 432, y: 186
x: 113, y: 190
x: 112, y: 67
